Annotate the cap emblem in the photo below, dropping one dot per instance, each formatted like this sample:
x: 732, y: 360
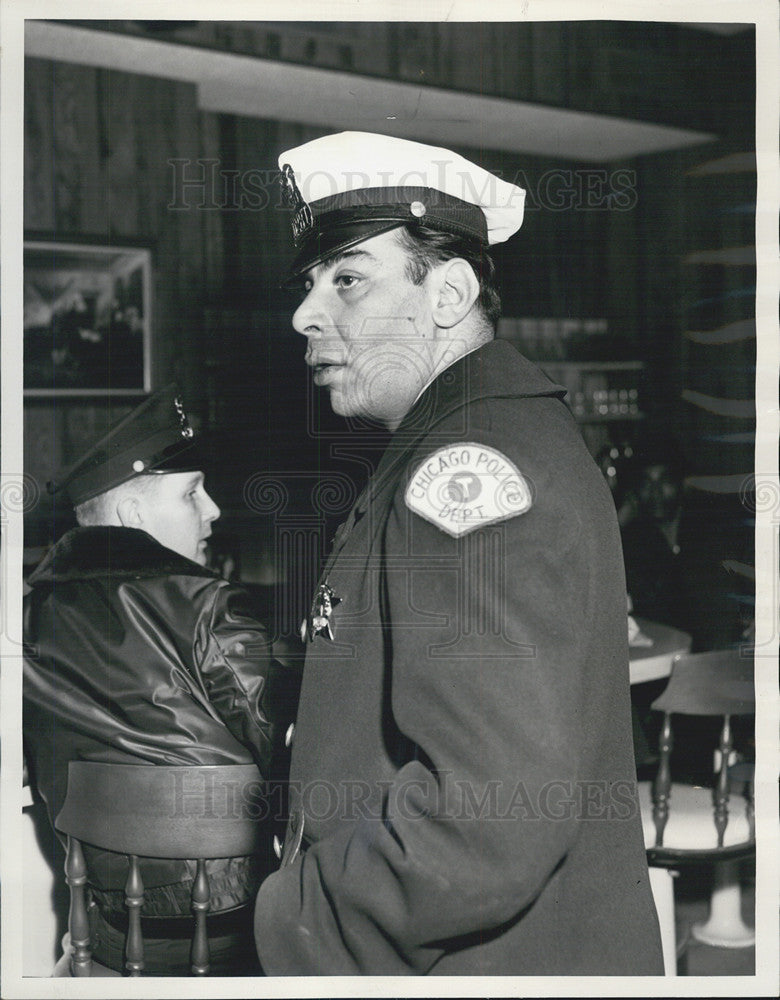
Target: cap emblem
x: 302, y: 220
x: 186, y: 430
x: 418, y: 209
x: 138, y: 465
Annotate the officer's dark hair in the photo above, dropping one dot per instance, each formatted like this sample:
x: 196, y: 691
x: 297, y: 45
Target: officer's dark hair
x: 428, y: 247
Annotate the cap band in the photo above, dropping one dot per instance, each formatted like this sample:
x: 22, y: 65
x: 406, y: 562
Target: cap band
x: 343, y: 220
x: 409, y: 204
x: 117, y: 469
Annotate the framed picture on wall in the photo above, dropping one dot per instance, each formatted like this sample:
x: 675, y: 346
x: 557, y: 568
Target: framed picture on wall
x: 87, y: 319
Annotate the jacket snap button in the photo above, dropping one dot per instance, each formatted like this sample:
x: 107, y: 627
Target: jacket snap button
x: 277, y: 847
x: 239, y: 649
x: 288, y: 736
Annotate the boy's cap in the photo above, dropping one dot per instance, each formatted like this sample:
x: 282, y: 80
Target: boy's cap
x: 345, y: 188
x: 155, y: 437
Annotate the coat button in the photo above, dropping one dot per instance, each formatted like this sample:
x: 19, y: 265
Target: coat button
x: 277, y: 848
x: 239, y: 649
x: 289, y: 735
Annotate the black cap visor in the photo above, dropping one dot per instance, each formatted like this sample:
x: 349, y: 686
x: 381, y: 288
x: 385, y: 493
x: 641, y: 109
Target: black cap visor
x: 91, y: 482
x: 321, y: 245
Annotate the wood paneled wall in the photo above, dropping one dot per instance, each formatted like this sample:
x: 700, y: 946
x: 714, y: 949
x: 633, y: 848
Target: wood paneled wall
x: 99, y: 147
x: 98, y: 152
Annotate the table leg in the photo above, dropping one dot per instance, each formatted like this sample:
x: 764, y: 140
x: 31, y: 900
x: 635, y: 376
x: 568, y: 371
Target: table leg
x: 725, y: 927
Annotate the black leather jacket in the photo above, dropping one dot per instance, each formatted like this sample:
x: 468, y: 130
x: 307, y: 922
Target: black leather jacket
x: 136, y: 654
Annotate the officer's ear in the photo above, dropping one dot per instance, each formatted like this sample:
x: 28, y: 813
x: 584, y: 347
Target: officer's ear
x: 128, y: 510
x: 455, y: 288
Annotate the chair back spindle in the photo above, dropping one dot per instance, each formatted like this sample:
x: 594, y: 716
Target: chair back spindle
x: 134, y: 900
x: 721, y: 796
x: 663, y: 781
x: 201, y: 897
x: 751, y: 807
x: 78, y: 921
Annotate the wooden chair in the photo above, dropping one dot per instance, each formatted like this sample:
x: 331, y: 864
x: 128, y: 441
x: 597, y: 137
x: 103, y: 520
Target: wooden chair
x: 689, y: 824
x: 183, y: 812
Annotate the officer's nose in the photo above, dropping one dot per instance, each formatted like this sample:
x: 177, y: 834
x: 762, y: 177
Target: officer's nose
x: 210, y: 510
x: 310, y: 318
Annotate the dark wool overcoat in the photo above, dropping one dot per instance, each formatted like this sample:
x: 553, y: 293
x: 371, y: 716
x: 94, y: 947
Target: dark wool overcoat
x: 462, y: 782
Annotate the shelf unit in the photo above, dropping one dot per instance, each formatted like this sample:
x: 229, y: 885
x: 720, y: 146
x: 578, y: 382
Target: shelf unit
x: 575, y: 353
x: 599, y: 391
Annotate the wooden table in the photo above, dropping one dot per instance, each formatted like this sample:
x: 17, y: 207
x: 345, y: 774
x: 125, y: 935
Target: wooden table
x: 650, y: 663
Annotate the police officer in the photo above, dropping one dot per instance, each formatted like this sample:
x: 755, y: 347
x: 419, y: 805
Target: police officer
x: 462, y: 780
x: 138, y: 653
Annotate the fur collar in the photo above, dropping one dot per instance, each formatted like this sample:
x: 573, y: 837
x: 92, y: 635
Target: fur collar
x: 87, y: 553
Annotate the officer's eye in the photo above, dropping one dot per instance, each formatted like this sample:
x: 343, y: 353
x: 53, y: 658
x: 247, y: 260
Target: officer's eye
x: 345, y: 280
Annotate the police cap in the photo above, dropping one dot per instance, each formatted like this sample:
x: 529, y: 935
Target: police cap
x: 156, y: 437
x: 345, y: 188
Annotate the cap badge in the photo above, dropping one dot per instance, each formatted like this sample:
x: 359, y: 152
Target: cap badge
x: 138, y: 465
x: 302, y: 219
x: 418, y: 209
x: 186, y: 430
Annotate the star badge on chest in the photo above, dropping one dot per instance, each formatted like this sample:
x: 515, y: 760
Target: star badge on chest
x: 318, y: 620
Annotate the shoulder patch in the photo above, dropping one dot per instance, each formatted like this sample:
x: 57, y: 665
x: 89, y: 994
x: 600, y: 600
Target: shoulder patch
x: 465, y: 486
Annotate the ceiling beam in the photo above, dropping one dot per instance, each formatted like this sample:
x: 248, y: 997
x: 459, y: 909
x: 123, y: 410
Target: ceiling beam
x: 264, y: 88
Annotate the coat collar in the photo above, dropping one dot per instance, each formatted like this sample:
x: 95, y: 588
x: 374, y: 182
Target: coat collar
x: 88, y: 553
x: 495, y: 370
